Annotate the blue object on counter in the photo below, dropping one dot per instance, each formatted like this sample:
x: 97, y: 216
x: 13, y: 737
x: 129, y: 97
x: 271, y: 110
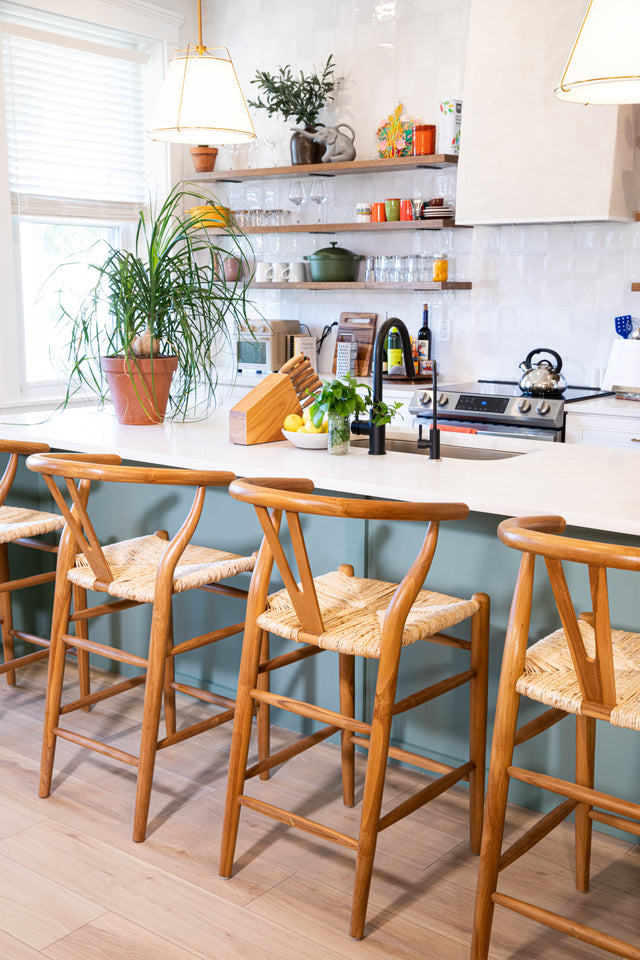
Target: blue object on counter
x: 624, y: 325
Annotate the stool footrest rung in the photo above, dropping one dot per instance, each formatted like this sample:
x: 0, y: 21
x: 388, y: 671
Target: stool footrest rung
x: 579, y: 931
x: 88, y: 613
x: 423, y: 796
x: 311, y: 711
x: 105, y: 694
x: 305, y: 743
x: 195, y: 728
x: 32, y: 581
x: 407, y: 756
x: 29, y: 638
x: 622, y: 823
x: 23, y: 661
x: 537, y: 832
x: 432, y: 692
x: 36, y: 544
x: 286, y: 659
x: 195, y: 642
x: 205, y: 695
x: 103, y: 650
x: 583, y: 794
x: 97, y: 746
x: 302, y: 823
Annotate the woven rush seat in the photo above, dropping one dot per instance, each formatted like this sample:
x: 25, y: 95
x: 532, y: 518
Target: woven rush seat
x: 134, y: 565
x: 550, y: 677
x: 353, y: 611
x: 16, y: 522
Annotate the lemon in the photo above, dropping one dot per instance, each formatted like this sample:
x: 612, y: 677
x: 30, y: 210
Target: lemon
x: 302, y: 429
x: 325, y: 426
x: 306, y: 416
x: 310, y: 428
x: 293, y: 422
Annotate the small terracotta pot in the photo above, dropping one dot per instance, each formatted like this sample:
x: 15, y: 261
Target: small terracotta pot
x: 139, y: 388
x: 231, y: 269
x: 204, y: 158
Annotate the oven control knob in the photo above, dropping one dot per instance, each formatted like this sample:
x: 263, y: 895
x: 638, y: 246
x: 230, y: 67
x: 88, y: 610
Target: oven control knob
x: 524, y: 406
x: 425, y: 399
x: 543, y: 408
x: 443, y: 399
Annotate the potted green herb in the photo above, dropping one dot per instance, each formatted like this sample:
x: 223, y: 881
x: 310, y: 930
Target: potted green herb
x: 164, y: 304
x: 299, y: 98
x: 343, y: 398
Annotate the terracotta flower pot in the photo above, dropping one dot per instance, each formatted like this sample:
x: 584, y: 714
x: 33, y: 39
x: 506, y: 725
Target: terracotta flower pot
x: 139, y: 387
x: 204, y: 158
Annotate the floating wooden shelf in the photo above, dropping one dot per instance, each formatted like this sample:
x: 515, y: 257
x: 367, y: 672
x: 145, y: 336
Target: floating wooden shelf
x: 433, y: 161
x: 435, y: 223
x: 360, y: 285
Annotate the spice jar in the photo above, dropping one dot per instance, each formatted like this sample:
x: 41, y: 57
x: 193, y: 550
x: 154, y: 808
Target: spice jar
x: 363, y: 213
x: 440, y: 268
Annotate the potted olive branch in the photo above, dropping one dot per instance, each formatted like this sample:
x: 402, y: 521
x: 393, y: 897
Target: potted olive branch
x: 164, y: 304
x: 300, y: 98
x: 339, y: 400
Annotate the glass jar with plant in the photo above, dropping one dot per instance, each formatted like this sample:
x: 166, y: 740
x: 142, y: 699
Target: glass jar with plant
x: 300, y: 98
x: 338, y: 401
x: 166, y: 303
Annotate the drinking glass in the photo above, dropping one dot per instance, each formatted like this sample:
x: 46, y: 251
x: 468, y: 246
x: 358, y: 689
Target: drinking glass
x: 370, y: 270
x: 297, y: 196
x: 319, y: 195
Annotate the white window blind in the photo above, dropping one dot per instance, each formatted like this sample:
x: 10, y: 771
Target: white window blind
x: 75, y: 126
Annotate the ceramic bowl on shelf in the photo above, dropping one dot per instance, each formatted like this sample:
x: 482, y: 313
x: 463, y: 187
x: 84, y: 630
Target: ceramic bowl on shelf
x: 307, y: 441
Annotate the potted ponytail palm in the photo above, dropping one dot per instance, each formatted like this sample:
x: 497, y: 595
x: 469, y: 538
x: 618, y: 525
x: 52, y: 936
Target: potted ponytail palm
x: 161, y: 308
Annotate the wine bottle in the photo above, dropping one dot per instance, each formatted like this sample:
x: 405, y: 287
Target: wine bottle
x: 424, y: 342
x: 394, y: 351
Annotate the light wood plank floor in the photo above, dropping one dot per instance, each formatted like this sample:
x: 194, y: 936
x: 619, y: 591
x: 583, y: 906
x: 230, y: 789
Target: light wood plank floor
x: 74, y: 886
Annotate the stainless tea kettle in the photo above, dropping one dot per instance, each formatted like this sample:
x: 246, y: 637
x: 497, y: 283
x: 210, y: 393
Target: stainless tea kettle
x: 542, y: 379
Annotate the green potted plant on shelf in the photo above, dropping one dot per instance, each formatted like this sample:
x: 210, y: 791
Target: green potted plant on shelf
x: 299, y: 98
x: 339, y: 400
x: 164, y: 307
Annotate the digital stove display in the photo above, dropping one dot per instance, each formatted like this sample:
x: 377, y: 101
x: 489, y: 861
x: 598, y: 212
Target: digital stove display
x: 482, y: 404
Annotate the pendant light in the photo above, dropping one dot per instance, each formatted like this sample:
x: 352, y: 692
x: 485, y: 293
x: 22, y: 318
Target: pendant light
x: 604, y: 64
x: 201, y: 101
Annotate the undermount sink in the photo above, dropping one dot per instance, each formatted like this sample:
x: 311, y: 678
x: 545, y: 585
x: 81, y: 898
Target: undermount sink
x: 447, y: 452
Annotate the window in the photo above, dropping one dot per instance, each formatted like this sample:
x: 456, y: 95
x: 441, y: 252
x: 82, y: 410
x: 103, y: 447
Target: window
x: 78, y: 164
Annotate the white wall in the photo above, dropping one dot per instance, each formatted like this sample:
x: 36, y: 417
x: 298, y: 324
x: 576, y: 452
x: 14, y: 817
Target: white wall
x: 559, y: 285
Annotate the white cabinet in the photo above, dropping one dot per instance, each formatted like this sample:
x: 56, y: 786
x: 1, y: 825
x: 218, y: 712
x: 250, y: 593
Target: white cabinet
x: 603, y: 431
x: 525, y: 156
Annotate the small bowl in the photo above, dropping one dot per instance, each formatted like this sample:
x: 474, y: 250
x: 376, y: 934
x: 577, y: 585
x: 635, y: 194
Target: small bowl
x: 307, y: 441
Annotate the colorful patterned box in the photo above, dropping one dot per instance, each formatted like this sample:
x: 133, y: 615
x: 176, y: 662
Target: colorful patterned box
x: 449, y: 120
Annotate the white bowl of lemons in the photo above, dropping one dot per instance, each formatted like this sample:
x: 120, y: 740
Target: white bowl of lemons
x: 301, y: 432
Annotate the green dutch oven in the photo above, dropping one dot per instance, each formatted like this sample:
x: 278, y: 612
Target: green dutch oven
x: 333, y: 264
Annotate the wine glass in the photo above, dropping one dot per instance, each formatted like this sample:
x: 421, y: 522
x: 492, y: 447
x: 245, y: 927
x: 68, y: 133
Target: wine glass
x: 297, y: 196
x: 319, y: 195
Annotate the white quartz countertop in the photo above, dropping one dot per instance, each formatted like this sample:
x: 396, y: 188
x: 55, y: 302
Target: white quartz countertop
x: 605, y: 407
x: 593, y: 487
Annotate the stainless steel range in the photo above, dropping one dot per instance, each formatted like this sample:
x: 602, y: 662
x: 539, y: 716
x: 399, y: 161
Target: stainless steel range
x: 499, y: 408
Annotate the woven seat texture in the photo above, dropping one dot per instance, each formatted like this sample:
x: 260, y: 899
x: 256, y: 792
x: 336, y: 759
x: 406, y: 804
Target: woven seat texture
x: 550, y: 678
x: 16, y: 522
x: 134, y: 564
x: 353, y: 613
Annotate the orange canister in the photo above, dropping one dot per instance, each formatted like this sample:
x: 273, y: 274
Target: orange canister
x: 424, y: 139
x: 440, y: 268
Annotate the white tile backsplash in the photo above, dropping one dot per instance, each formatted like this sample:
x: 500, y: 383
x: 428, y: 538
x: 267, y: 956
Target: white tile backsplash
x: 556, y: 285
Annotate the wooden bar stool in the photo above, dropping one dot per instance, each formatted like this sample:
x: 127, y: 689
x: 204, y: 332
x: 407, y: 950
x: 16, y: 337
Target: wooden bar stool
x: 22, y: 526
x: 584, y: 668
x: 353, y: 617
x: 145, y: 570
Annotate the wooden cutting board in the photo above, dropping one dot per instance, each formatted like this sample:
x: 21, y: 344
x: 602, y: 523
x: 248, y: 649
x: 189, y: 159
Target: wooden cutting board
x: 360, y: 327
x: 258, y: 417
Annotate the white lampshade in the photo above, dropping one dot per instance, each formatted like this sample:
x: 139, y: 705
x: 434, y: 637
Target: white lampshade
x: 604, y: 65
x: 201, y: 101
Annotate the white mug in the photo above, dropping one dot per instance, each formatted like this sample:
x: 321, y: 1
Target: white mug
x: 280, y: 272
x: 264, y: 272
x: 297, y: 273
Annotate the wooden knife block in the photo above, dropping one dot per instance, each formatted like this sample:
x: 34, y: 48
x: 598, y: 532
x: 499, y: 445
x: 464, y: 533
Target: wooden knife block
x: 258, y: 417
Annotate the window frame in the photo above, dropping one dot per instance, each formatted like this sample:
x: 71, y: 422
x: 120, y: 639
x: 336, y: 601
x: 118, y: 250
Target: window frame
x: 161, y: 27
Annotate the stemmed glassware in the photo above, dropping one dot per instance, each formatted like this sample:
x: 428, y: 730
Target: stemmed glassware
x: 297, y: 196
x: 319, y: 195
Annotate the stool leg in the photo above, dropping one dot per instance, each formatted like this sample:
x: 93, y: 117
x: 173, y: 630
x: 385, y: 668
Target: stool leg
x: 55, y: 676
x: 82, y: 631
x: 6, y: 615
x: 478, y: 717
x: 585, y: 766
x: 374, y: 781
x: 263, y: 715
x: 169, y: 692
x: 347, y: 708
x: 154, y: 689
x: 242, y: 722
